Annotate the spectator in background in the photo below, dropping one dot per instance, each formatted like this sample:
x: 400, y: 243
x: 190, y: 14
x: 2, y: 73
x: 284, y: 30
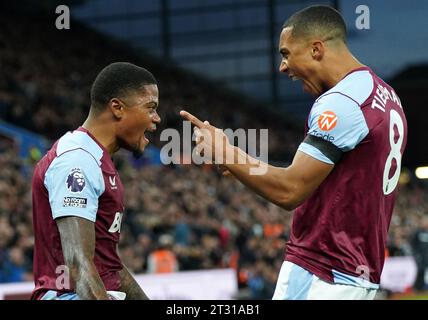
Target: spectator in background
x: 163, y: 259
x: 14, y: 267
x: 30, y: 75
x: 419, y: 244
x: 34, y: 155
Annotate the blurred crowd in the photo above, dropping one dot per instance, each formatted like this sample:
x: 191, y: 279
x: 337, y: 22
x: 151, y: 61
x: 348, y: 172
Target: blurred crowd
x: 200, y: 219
x: 45, y: 83
x: 205, y: 222
x: 177, y: 217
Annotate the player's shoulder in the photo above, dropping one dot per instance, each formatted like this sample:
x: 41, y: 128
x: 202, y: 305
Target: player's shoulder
x: 77, y: 154
x: 354, y: 89
x: 78, y: 145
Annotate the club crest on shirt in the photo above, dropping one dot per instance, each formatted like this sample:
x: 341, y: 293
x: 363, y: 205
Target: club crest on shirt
x: 327, y: 121
x: 76, y: 180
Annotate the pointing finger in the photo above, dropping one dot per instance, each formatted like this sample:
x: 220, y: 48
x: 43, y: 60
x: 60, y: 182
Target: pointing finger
x: 190, y: 117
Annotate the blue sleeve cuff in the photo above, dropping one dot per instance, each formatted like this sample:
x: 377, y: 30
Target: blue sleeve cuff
x: 61, y: 214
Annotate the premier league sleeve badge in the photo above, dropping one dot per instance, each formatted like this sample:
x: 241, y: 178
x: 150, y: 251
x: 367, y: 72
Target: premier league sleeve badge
x: 76, y: 181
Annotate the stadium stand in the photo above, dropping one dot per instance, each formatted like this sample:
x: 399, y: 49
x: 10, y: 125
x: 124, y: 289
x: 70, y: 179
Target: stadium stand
x: 215, y: 222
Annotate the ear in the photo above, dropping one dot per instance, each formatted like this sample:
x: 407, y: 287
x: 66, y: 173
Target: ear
x: 116, y: 108
x: 318, y: 50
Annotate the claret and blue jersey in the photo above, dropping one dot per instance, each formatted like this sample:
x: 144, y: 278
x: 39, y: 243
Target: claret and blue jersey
x: 339, y: 233
x: 76, y: 178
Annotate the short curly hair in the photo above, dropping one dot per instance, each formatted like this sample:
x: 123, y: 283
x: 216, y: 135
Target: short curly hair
x: 118, y: 80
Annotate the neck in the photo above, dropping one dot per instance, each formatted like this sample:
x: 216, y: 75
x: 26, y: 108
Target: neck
x: 101, y: 128
x: 339, y: 66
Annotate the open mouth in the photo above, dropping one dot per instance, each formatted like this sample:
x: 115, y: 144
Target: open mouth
x: 294, y: 78
x: 149, y: 131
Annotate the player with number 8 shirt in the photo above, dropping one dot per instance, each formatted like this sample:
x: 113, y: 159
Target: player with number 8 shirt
x: 342, y: 182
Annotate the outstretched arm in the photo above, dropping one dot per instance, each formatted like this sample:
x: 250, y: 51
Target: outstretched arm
x: 286, y: 187
x: 78, y: 246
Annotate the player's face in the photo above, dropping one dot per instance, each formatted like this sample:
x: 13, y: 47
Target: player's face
x: 140, y: 116
x: 298, y: 62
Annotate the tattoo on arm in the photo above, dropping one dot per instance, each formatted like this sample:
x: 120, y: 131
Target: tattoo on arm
x: 78, y: 246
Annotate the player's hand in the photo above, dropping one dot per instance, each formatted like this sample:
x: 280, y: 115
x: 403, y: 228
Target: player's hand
x: 211, y: 142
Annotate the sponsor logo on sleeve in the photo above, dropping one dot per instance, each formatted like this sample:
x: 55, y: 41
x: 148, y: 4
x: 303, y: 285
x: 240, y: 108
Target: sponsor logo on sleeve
x: 325, y: 136
x: 74, y: 202
x: 76, y: 181
x: 327, y: 121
